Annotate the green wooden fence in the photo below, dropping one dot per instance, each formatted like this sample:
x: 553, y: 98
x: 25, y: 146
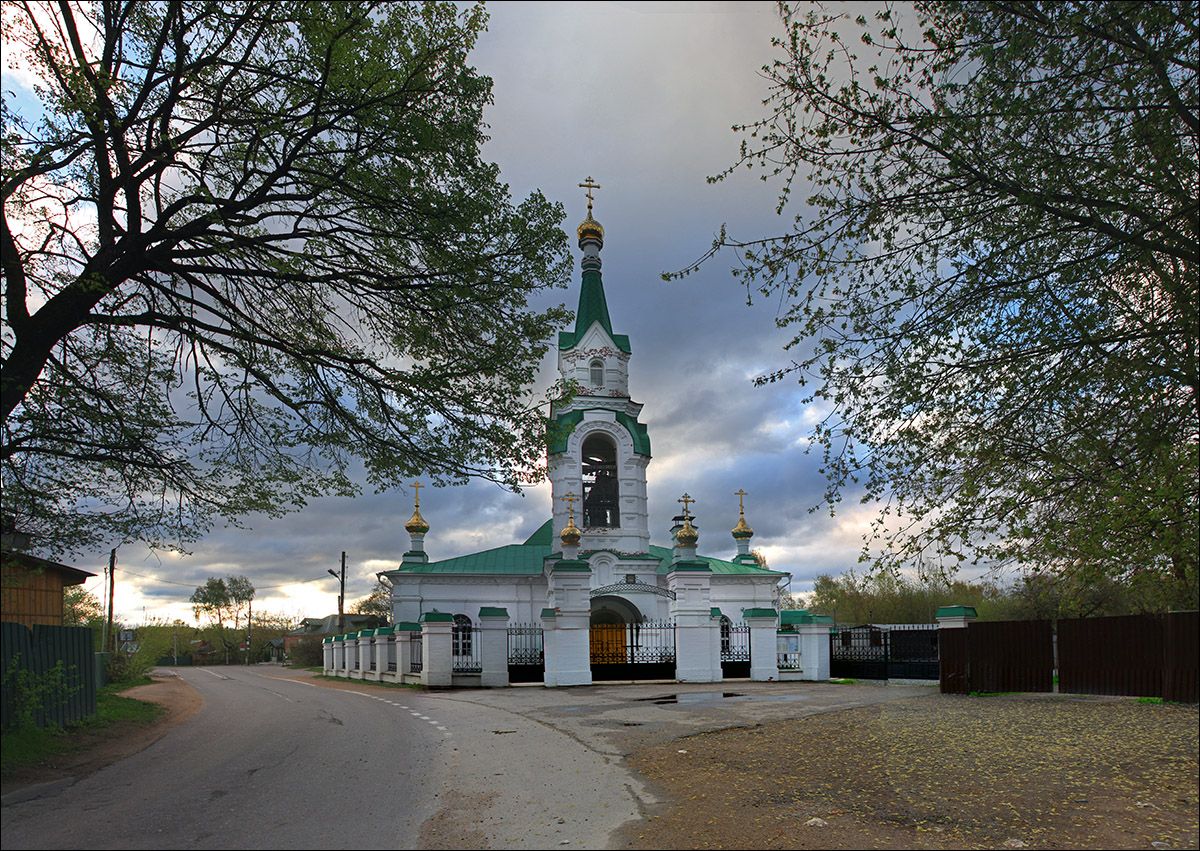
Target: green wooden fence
x: 30, y: 658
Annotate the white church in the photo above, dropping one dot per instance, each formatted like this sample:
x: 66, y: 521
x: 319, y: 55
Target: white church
x: 588, y: 596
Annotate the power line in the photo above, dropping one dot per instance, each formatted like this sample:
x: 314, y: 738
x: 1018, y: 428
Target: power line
x: 193, y: 585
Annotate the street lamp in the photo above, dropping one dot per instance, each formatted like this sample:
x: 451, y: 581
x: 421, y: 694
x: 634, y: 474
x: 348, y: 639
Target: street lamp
x: 341, y: 595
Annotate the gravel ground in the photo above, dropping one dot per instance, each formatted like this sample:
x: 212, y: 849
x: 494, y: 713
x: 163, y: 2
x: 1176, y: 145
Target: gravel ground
x: 936, y: 771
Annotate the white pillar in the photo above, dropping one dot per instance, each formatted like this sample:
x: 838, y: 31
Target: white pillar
x: 692, y: 612
x: 763, y: 623
x: 814, y: 648
x: 339, y: 655
x: 493, y: 633
x: 549, y: 647
x: 714, y: 617
x: 568, y: 655
x: 437, y: 660
x: 327, y: 654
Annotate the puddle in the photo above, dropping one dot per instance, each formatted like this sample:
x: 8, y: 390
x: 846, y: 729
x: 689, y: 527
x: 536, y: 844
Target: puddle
x: 689, y: 697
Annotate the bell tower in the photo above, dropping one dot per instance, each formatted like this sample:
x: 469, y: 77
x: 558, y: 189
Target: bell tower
x: 599, y: 450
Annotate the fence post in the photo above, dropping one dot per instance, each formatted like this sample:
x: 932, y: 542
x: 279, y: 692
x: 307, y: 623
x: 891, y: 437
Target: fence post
x: 568, y: 653
x: 339, y: 655
x: 493, y: 635
x: 402, y: 632
x: 764, y: 664
x: 327, y: 655
x: 691, y: 611
x: 714, y: 640
x: 438, y: 661
x: 814, y: 647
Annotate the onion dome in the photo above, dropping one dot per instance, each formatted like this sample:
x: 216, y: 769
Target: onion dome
x: 570, y: 535
x: 687, y: 536
x: 416, y: 524
x: 590, y: 229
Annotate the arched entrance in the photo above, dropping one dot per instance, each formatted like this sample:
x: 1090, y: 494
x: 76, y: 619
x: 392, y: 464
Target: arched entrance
x: 625, y: 646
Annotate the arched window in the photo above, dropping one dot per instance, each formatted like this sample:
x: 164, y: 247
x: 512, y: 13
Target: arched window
x: 597, y: 370
x: 460, y: 635
x: 601, y: 495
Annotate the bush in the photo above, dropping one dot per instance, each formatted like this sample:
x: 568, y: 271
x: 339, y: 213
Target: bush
x: 306, y: 653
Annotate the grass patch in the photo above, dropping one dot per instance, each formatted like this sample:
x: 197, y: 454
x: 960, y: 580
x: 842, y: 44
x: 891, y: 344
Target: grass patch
x: 1157, y: 701
x: 987, y: 693
x: 33, y: 746
x: 844, y: 681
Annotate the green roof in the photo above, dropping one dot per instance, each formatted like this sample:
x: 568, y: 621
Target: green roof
x: 526, y: 559
x: 956, y: 612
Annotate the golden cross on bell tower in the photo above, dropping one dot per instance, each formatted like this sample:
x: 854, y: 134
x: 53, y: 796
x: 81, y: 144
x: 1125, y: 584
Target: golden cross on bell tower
x: 589, y: 185
x: 741, y: 495
x: 570, y: 499
x: 416, y: 486
x: 686, y: 500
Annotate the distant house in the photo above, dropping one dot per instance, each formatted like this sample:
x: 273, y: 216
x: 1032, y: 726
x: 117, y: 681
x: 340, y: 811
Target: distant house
x: 31, y: 588
x: 318, y: 628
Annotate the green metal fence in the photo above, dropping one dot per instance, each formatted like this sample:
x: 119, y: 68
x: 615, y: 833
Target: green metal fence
x: 31, y: 674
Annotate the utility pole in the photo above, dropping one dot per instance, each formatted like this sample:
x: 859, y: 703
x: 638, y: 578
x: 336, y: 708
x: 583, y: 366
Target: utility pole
x: 341, y: 594
x: 110, y: 639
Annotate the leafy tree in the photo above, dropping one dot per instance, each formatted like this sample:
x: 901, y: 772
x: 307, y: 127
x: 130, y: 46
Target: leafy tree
x: 246, y: 245
x: 226, y: 602
x: 990, y: 271
x: 80, y: 607
x: 378, y: 602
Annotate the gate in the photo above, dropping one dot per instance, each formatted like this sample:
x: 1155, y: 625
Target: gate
x: 913, y: 652
x: 49, y: 671
x: 859, y: 653
x: 735, y: 649
x: 526, y: 654
x: 634, y: 651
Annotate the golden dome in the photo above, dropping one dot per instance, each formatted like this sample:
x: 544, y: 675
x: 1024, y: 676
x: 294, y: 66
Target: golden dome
x: 590, y: 229
x: 416, y: 524
x: 570, y: 534
x: 687, y: 536
x: 742, y: 529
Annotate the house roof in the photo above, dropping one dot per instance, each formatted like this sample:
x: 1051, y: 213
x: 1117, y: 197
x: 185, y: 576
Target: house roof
x: 70, y: 575
x: 526, y: 559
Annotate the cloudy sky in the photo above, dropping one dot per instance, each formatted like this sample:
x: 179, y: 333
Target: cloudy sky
x: 640, y: 96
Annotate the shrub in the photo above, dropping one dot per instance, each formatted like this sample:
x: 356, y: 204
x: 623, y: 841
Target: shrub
x: 306, y: 653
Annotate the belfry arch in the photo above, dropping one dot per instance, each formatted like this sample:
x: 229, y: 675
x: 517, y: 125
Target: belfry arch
x: 601, y: 488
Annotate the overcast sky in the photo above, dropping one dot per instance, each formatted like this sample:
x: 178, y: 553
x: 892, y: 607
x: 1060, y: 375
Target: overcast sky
x: 640, y: 96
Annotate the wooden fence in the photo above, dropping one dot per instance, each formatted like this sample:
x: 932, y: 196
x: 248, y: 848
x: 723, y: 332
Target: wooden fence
x: 30, y: 657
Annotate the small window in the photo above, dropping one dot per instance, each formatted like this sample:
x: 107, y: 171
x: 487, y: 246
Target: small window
x: 597, y: 370
x: 630, y: 578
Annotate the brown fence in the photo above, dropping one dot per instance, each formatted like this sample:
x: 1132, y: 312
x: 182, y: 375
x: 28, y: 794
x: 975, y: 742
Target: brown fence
x: 1010, y: 656
x: 1111, y: 655
x: 1137, y: 655
x: 1181, y: 644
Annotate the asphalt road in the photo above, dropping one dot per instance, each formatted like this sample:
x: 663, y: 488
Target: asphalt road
x: 275, y: 762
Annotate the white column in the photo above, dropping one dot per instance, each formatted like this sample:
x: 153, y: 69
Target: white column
x: 569, y: 661
x: 814, y: 650
x: 404, y: 636
x: 339, y: 655
x: 715, y: 637
x: 692, y: 612
x: 549, y: 647
x: 437, y: 661
x: 493, y: 633
x: 763, y: 623
x: 327, y: 655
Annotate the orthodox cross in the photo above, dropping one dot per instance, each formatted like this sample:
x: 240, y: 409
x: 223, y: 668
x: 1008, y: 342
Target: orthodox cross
x: 741, y: 495
x: 686, y: 500
x: 589, y: 185
x: 416, y: 486
x: 570, y: 499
